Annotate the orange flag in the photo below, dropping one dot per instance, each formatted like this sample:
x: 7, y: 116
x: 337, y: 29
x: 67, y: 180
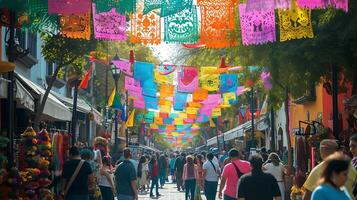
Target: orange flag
x: 84, y: 83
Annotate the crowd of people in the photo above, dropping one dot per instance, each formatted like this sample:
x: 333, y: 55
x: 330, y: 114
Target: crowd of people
x: 90, y: 175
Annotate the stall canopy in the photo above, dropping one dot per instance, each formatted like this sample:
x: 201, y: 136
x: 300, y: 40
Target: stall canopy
x: 54, y: 109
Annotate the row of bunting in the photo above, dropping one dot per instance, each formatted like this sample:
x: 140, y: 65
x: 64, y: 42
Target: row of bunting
x: 214, y: 27
x: 177, y: 98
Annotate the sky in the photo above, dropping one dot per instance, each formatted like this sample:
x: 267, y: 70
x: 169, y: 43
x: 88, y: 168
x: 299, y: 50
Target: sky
x: 165, y: 52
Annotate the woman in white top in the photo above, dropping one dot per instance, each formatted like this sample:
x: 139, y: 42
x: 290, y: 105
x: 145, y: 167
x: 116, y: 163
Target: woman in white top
x: 143, y: 172
x: 275, y: 167
x: 211, y: 174
x: 106, y: 180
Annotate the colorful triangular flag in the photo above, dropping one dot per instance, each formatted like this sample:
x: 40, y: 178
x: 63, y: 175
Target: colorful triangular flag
x: 130, y: 121
x: 84, y: 83
x: 211, y: 123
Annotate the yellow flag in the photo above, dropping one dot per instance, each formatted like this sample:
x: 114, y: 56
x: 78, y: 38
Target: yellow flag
x: 211, y: 123
x: 130, y: 120
x: 111, y: 98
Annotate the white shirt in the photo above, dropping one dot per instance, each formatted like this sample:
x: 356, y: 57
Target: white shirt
x: 276, y: 171
x: 211, y: 174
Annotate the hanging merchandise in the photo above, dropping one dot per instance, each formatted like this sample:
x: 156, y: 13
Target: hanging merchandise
x: 66, y: 7
x: 187, y: 79
x: 182, y: 27
x: 121, y: 6
x: 150, y: 5
x: 173, y: 7
x: 145, y: 29
x: 217, y: 23
x: 295, y: 23
x: 109, y: 25
x: 229, y: 82
x: 76, y: 26
x: 257, y: 27
x: 321, y: 4
x: 209, y: 79
x: 263, y: 5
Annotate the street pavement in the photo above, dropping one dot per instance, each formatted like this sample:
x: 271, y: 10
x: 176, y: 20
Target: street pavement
x: 169, y: 192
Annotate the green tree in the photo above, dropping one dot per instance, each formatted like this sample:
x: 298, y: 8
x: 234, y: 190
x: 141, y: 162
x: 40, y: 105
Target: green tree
x: 68, y: 54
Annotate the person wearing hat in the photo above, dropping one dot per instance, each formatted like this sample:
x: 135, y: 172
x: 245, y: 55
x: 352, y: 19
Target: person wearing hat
x: 327, y: 147
x: 215, y: 152
x: 231, y: 174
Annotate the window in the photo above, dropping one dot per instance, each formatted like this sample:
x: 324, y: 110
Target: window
x: 20, y: 38
x: 32, y: 43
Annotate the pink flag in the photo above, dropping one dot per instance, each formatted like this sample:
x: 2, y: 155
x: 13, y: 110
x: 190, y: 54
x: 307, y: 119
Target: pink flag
x: 67, y: 7
x: 262, y: 5
x: 258, y: 27
x: 240, y: 90
x: 109, y: 25
x: 124, y: 66
x: 132, y: 84
x: 266, y: 78
x: 139, y: 103
x: 314, y: 4
x: 187, y: 79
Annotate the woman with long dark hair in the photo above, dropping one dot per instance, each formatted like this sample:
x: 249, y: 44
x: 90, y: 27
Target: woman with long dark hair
x: 275, y: 167
x: 199, y: 163
x: 106, y: 179
x: 190, y: 176
x: 332, y: 179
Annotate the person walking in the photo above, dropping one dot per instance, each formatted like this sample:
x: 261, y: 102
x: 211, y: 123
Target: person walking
x: 154, y: 175
x: 179, y: 163
x: 143, y: 171
x: 276, y: 168
x: 94, y: 191
x: 162, y: 170
x: 106, y: 180
x: 199, y: 163
x: 327, y: 147
x: 353, y: 149
x: 190, y: 176
x: 76, y: 173
x: 333, y: 177
x: 172, y: 168
x: 231, y: 174
x: 258, y: 185
x: 125, y: 178
x: 211, y: 174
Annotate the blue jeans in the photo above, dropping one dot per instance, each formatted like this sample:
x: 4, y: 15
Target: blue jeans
x: 125, y: 197
x: 154, y: 182
x: 77, y: 197
x: 211, y: 189
x: 162, y: 177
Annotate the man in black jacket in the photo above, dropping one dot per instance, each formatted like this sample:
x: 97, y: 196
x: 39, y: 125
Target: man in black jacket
x: 179, y: 163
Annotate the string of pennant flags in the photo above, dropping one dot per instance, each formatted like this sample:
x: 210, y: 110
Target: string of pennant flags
x: 207, y: 22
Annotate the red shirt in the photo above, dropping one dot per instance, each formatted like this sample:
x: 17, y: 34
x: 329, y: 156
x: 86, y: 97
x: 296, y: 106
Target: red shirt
x: 154, y: 170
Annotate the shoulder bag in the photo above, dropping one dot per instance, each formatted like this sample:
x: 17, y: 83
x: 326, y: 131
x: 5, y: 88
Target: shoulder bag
x: 73, y: 177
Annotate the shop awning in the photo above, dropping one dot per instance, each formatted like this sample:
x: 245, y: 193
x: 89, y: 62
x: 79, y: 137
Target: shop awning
x: 23, y: 96
x: 54, y: 109
x: 82, y: 106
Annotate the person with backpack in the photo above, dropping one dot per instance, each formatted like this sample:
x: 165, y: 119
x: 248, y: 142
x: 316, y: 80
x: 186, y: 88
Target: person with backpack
x: 231, y: 174
x: 162, y: 170
x: 211, y: 174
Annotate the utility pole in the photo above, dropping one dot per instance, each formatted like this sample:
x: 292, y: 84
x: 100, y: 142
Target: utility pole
x: 74, y: 111
x: 335, y: 113
x: 252, y: 111
x: 272, y: 129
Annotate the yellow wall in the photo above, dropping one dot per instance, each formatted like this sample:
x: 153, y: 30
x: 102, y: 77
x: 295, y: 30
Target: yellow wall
x: 299, y: 112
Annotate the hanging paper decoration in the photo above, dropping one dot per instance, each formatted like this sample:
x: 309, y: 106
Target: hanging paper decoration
x: 168, y: 121
x: 164, y: 79
x: 67, y: 7
x: 216, y: 112
x: 194, y: 104
x: 166, y: 90
x: 229, y: 82
x: 209, y: 79
x: 109, y: 25
x: 166, y: 69
x: 217, y: 23
x: 143, y: 71
x: 229, y: 98
x: 295, y: 23
x: 132, y: 85
x: 187, y: 79
x: 173, y: 7
x: 315, y: 4
x: 150, y: 5
x: 262, y: 5
x: 182, y: 27
x: 266, y: 78
x: 163, y: 115
x: 202, y: 118
x: 124, y: 66
x: 145, y: 29
x: 121, y: 6
x: 191, y: 111
x: 258, y: 27
x: 139, y: 103
x: 151, y: 102
x: 149, y: 88
x: 76, y: 26
x: 199, y: 94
